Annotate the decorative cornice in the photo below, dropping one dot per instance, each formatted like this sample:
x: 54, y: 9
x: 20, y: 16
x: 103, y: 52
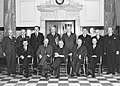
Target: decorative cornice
x: 51, y: 8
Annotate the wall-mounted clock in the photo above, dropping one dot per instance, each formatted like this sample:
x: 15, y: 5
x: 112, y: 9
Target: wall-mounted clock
x: 59, y: 2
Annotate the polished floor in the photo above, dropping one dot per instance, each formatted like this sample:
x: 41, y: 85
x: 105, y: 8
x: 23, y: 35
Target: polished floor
x: 36, y: 80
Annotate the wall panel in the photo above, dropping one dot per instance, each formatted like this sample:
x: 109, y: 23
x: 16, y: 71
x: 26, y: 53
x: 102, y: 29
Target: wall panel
x: 1, y: 12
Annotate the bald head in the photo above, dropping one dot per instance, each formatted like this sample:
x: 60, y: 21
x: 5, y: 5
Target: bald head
x: 10, y: 32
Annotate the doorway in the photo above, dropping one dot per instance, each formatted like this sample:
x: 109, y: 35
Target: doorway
x: 60, y: 26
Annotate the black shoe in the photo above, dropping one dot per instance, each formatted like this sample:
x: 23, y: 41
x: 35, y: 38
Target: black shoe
x: 89, y: 72
x: 57, y: 76
x: 35, y: 72
x: 77, y: 74
x: 26, y: 76
x: 113, y: 73
x: 21, y: 72
x: 14, y: 73
x: 118, y: 71
x: 45, y: 75
x: 9, y: 74
x: 93, y: 76
x: 108, y: 73
x: 72, y: 75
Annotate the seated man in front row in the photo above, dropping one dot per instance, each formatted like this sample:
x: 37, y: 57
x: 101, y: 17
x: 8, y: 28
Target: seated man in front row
x: 79, y: 52
x: 60, y: 54
x: 25, y: 52
x: 44, y: 53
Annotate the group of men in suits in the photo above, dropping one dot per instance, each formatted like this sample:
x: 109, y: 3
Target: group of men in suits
x: 11, y: 46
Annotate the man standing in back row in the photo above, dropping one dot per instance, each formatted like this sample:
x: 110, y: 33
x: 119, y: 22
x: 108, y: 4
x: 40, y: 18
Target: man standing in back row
x: 53, y: 37
x: 37, y: 39
x: 69, y: 40
x: 9, y: 51
x: 111, y: 50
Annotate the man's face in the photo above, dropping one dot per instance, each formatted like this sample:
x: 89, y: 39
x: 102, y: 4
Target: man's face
x: 25, y: 43
x: 110, y: 30
x: 53, y: 30
x: 46, y: 41
x: 68, y: 29
x: 23, y: 32
x: 61, y: 43
x: 94, y: 41
x: 97, y: 32
x: 84, y: 31
x: 91, y: 30
x: 36, y: 29
x: 79, y: 42
x: 10, y: 33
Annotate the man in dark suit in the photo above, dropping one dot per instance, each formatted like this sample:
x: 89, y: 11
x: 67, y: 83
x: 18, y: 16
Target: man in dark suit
x: 100, y: 42
x: 25, y: 53
x: 60, y: 55
x: 94, y: 55
x: 111, y: 50
x: 86, y: 41
x: 53, y: 37
x: 100, y: 39
x: 69, y: 40
x: 37, y: 39
x: 79, y: 52
x: 44, y: 53
x: 9, y: 51
x: 21, y: 38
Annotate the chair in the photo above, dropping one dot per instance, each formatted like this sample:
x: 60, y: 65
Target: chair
x: 19, y: 67
x: 98, y: 68
x: 48, y: 63
x: 63, y: 66
x: 85, y: 65
x: 99, y: 64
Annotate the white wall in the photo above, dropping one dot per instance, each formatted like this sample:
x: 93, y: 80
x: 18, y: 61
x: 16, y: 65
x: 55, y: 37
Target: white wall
x: 27, y: 14
x: 118, y: 12
x: 92, y: 13
x: 1, y: 12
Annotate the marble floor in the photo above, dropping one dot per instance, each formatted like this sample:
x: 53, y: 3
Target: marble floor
x: 36, y: 80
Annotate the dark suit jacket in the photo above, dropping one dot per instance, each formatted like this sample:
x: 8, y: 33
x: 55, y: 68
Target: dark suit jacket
x: 86, y: 41
x: 80, y: 51
x: 101, y: 43
x: 20, y: 39
x: 62, y: 51
x: 111, y: 44
x: 69, y: 42
x: 96, y: 51
x: 52, y: 39
x: 21, y: 51
x: 44, y: 51
x: 36, y: 41
x: 9, y: 45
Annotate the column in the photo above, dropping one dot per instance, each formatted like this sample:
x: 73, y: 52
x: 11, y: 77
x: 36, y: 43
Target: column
x: 9, y: 16
x: 110, y: 15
